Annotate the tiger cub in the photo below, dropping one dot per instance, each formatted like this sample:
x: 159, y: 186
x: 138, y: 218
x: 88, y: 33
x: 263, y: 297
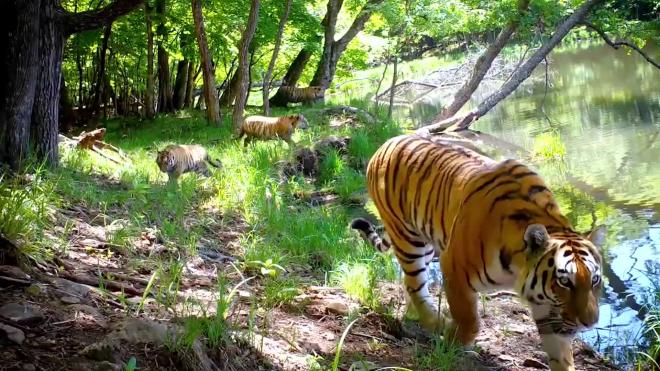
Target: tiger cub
x: 494, y: 225
x: 177, y: 159
x: 263, y: 127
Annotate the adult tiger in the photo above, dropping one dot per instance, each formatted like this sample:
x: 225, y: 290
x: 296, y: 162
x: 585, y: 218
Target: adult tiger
x: 177, y: 159
x: 264, y: 127
x: 493, y: 225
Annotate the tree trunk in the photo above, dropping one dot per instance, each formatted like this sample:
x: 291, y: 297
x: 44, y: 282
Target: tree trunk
x: 394, y: 78
x: 380, y: 83
x: 208, y: 70
x: 246, y: 39
x: 20, y: 44
x: 165, y: 104
x: 229, y: 93
x: 190, y: 85
x: 81, y: 99
x: 332, y: 50
x: 180, y: 84
x: 281, y: 97
x: 273, y: 59
x: 100, y: 75
x: 149, y: 95
x: 482, y: 65
x: 32, y: 44
x: 45, y: 113
x: 522, y: 73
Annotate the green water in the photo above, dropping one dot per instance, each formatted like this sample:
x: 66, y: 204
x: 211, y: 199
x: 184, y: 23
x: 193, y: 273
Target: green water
x: 594, y: 134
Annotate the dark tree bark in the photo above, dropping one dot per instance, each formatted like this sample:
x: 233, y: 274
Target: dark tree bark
x: 45, y: 113
x: 34, y: 38
x: 281, y: 97
x: 208, y: 71
x: 243, y: 61
x: 165, y: 103
x: 273, y: 59
x: 522, y: 73
x: 149, y: 95
x: 81, y: 98
x: 100, y: 75
x: 190, y: 85
x: 180, y: 84
x: 20, y: 44
x: 482, y: 65
x: 229, y: 94
x: 333, y: 49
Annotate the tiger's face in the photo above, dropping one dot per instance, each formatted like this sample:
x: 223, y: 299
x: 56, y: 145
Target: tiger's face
x: 301, y: 122
x: 564, y: 284
x: 164, y: 161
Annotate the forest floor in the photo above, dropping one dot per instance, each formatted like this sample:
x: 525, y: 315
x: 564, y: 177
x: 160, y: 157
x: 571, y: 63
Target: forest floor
x: 251, y: 269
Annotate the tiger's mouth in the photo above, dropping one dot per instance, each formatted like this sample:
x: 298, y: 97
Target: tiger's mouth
x: 558, y: 325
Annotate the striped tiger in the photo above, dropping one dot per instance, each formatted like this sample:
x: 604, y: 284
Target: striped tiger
x: 177, y: 159
x: 494, y: 225
x: 306, y: 95
x: 264, y: 127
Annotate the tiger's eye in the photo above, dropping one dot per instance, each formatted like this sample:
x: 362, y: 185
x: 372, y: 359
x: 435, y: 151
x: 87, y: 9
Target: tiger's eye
x: 595, y: 279
x: 564, y: 281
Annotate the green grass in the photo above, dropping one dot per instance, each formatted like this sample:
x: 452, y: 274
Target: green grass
x: 442, y: 356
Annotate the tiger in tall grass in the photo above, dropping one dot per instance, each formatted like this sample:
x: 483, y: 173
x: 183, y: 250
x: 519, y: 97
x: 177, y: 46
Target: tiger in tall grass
x: 263, y: 127
x: 177, y: 159
x: 494, y: 225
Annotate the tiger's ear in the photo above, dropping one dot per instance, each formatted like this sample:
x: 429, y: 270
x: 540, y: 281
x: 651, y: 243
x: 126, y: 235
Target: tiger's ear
x: 597, y: 236
x: 536, y: 237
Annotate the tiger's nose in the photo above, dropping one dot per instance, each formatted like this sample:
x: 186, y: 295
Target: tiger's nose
x: 588, y: 320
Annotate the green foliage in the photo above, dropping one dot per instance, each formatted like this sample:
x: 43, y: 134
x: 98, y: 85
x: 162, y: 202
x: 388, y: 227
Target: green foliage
x: 549, y: 146
x: 359, y: 281
x: 442, y: 355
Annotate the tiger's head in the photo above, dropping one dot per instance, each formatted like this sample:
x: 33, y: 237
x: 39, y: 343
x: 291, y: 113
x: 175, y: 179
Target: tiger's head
x: 165, y: 160
x: 562, y: 281
x: 299, y: 121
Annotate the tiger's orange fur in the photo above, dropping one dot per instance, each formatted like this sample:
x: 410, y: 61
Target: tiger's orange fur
x: 494, y: 225
x: 263, y: 127
x: 176, y: 160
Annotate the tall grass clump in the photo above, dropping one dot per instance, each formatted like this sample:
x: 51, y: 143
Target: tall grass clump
x: 27, y: 202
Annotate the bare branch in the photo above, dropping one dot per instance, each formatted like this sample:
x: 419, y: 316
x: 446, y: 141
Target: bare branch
x: 520, y: 75
x: 78, y: 22
x: 617, y: 44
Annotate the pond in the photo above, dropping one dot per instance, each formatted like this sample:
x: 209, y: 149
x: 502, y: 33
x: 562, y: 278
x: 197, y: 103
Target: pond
x: 593, y: 132
x: 597, y: 132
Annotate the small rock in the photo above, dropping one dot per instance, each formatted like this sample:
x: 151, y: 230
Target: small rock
x: 517, y: 329
x: 506, y: 358
x: 336, y: 307
x: 13, y: 272
x: 529, y: 362
x: 329, y: 336
x: 363, y: 366
x: 12, y: 333
x: 72, y: 288
x: 244, y: 295
x: 69, y: 300
x: 22, y: 314
x: 29, y: 367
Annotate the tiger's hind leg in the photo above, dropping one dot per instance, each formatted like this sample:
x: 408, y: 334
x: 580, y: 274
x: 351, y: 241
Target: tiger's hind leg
x: 412, y: 256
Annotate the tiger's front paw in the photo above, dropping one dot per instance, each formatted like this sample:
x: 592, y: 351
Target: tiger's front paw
x: 560, y: 366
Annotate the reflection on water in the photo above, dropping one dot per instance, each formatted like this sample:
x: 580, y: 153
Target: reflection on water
x: 600, y: 120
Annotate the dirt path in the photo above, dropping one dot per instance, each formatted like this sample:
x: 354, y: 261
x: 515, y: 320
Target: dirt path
x: 86, y: 312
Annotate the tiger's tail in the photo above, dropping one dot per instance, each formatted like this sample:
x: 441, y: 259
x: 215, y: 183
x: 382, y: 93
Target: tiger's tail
x: 368, y: 232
